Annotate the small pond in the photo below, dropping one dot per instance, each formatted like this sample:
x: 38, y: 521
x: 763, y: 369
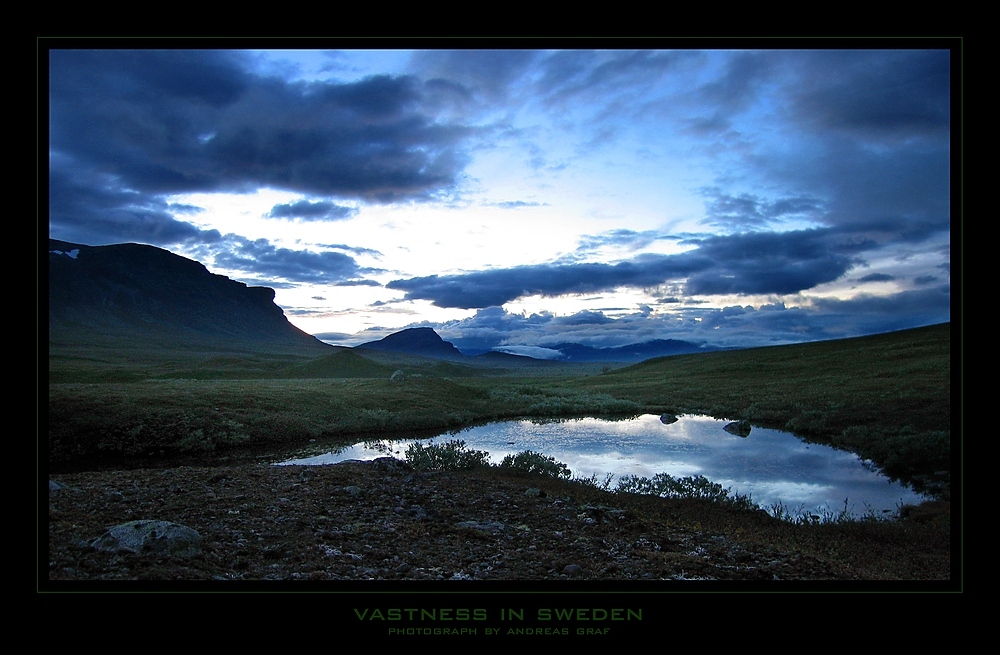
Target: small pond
x: 770, y: 465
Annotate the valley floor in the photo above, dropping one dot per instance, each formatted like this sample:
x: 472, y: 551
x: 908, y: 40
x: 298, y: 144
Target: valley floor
x: 383, y: 521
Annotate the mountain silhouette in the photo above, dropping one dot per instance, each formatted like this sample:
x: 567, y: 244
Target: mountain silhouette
x: 139, y: 292
x: 417, y: 341
x: 636, y: 352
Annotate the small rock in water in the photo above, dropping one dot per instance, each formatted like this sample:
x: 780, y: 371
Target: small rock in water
x: 667, y: 419
x: 739, y: 428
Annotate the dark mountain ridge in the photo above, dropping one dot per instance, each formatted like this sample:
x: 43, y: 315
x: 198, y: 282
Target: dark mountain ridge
x: 134, y: 291
x: 417, y: 341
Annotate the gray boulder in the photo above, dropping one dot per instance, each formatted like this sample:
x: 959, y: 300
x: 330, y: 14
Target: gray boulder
x: 56, y: 486
x: 149, y: 537
x: 667, y: 419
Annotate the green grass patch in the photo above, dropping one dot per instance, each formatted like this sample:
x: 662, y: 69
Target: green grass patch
x: 886, y: 397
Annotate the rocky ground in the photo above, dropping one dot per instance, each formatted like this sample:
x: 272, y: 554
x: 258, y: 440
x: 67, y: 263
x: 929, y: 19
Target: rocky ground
x: 382, y: 520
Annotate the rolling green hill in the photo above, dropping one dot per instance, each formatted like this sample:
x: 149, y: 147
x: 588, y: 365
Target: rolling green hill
x: 886, y: 397
x: 343, y: 364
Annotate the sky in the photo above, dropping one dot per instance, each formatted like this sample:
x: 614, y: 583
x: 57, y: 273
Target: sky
x: 518, y: 199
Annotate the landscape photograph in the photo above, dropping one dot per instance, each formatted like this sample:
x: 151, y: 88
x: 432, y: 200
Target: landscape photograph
x: 642, y: 318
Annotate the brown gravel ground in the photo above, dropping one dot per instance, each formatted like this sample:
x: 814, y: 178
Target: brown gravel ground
x: 383, y: 521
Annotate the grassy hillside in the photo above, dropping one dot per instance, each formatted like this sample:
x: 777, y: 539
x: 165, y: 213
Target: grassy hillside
x: 887, y: 397
x: 343, y: 364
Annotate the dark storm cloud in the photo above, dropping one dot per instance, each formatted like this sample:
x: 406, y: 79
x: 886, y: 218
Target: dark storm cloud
x: 164, y: 122
x: 484, y: 73
x: 877, y: 277
x: 584, y: 317
x: 877, y: 94
x: 748, y: 210
x: 864, y: 141
x: 322, y: 210
x: 496, y: 287
x: 753, y: 263
x: 715, y: 104
x: 762, y: 263
x: 179, y: 208
x: 265, y: 260
x: 357, y: 283
x: 866, y: 314
x: 90, y: 208
x: 738, y: 85
x: 346, y: 248
x: 900, y: 193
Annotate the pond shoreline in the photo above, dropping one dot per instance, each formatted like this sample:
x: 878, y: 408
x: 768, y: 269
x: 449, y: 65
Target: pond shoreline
x: 771, y: 466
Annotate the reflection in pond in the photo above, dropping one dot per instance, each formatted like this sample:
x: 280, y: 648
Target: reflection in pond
x: 770, y: 465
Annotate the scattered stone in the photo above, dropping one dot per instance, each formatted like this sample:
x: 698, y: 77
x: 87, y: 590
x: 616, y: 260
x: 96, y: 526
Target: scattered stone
x: 56, y: 486
x: 667, y: 419
x: 416, y: 512
x: 485, y: 526
x: 738, y: 428
x: 391, y: 465
x: 573, y: 569
x: 354, y: 491
x: 397, y: 376
x: 535, y: 493
x: 155, y: 537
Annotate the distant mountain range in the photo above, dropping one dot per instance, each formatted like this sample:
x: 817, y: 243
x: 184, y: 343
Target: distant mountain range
x: 427, y: 343
x: 132, y: 291
x: 636, y: 352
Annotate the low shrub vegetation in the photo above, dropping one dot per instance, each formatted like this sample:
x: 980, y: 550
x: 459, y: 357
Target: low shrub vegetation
x: 532, y: 462
x: 697, y: 486
x: 449, y: 456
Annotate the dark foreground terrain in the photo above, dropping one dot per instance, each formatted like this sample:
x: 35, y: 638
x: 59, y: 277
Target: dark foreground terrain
x: 207, y: 417
x: 384, y: 521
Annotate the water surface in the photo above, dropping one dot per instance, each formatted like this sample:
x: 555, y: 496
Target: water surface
x: 770, y: 465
